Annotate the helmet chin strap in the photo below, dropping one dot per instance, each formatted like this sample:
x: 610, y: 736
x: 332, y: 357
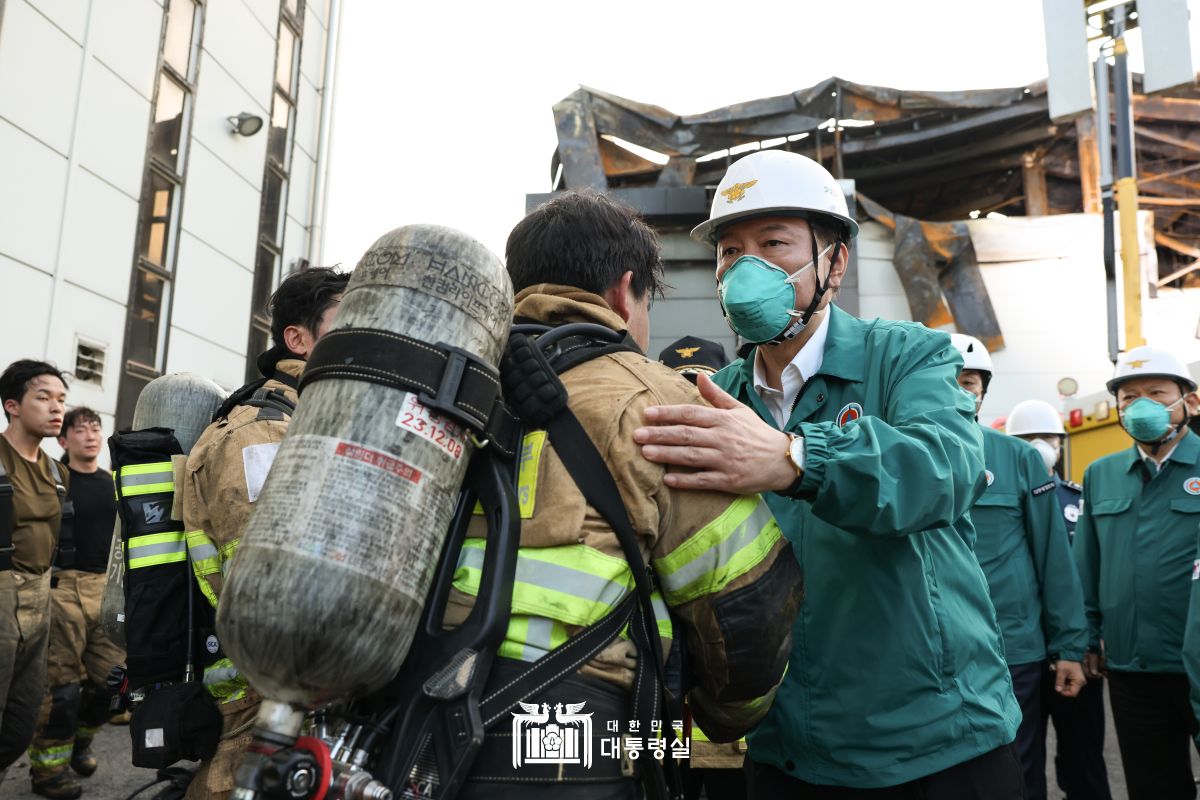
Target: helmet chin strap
x: 795, y: 328
x: 1170, y: 437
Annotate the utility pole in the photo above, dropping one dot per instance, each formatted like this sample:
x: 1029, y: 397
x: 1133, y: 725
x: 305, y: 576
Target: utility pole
x: 1104, y: 146
x: 1126, y: 184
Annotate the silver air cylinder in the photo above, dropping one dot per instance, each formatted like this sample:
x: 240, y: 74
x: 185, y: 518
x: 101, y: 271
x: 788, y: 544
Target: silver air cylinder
x: 184, y: 402
x: 324, y: 594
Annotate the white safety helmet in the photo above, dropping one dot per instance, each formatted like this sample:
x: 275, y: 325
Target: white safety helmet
x: 1150, y: 362
x: 1034, y: 418
x: 775, y: 182
x: 975, y: 355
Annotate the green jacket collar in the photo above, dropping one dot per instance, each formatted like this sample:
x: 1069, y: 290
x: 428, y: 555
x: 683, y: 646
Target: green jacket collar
x: 844, y: 348
x: 1187, y: 452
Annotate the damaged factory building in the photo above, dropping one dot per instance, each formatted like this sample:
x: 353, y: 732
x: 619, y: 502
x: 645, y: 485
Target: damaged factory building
x: 979, y: 214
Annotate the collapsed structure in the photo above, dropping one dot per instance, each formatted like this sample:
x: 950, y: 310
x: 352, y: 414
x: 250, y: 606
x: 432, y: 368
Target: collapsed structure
x: 920, y: 163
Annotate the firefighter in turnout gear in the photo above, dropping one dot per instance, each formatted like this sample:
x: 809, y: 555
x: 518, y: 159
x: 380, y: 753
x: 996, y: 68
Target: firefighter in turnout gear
x: 225, y: 472
x: 1022, y: 545
x: 33, y: 490
x: 81, y: 655
x: 1136, y: 548
x: 719, y: 559
x: 896, y: 683
x: 1078, y: 722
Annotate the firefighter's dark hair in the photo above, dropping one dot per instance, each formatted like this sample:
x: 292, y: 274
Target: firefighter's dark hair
x: 587, y: 240
x: 77, y: 415
x: 303, y: 298
x: 14, y: 382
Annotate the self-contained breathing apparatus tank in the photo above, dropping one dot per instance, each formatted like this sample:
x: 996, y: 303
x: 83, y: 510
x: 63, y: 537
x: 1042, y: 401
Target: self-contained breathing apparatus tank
x: 323, y: 597
x: 183, y: 402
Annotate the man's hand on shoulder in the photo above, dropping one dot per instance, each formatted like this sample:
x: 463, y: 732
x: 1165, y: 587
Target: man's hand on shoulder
x: 729, y: 448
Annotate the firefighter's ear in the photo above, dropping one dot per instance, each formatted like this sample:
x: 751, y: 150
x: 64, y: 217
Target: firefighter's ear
x: 299, y: 340
x: 620, y: 297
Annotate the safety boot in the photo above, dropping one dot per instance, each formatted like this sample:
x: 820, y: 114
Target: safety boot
x: 58, y: 787
x: 82, y: 760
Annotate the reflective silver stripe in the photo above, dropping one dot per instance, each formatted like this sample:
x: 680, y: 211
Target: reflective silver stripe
x: 555, y: 577
x: 537, y: 638
x: 722, y: 552
x: 137, y: 551
x: 660, y: 607
x: 202, y: 552
x: 215, y: 675
x: 166, y: 476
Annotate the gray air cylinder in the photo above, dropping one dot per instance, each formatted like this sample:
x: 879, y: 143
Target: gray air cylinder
x: 184, y: 402
x: 323, y: 596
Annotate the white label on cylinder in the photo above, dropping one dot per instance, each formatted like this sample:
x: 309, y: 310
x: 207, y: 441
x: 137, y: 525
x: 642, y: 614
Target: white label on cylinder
x: 415, y: 417
x: 154, y: 737
x: 354, y: 505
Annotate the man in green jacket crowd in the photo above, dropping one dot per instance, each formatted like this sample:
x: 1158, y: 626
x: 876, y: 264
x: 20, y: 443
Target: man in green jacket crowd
x: 1136, y: 549
x: 896, y: 685
x: 1021, y: 543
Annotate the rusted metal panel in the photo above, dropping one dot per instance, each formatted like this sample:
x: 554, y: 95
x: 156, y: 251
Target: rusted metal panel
x: 936, y: 260
x: 1173, y: 109
x: 578, y: 144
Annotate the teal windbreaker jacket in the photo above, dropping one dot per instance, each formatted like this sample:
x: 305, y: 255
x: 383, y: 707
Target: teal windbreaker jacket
x: 897, y: 668
x: 1021, y: 542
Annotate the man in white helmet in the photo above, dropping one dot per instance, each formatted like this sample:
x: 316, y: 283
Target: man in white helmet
x: 1021, y: 543
x: 1078, y: 722
x: 869, y: 457
x: 1135, y: 546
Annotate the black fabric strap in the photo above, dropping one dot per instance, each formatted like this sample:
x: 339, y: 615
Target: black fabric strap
x: 531, y: 382
x: 7, y: 519
x: 448, y: 380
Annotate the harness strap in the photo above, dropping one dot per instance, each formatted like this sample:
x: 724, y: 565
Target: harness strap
x: 7, y: 519
x: 531, y: 370
x: 447, y: 379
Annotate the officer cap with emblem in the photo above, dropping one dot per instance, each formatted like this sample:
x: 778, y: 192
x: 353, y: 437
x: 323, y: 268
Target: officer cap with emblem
x: 692, y: 354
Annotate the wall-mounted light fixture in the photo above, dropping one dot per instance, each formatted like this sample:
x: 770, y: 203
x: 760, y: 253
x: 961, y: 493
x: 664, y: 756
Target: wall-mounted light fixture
x: 245, y: 124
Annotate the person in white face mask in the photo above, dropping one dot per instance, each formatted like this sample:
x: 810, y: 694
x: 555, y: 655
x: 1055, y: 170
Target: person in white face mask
x: 1079, y: 722
x: 1021, y: 543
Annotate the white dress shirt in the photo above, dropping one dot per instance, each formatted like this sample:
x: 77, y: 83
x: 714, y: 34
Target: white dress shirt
x: 806, y: 364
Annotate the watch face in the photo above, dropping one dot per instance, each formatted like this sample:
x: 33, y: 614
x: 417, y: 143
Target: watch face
x: 796, y: 450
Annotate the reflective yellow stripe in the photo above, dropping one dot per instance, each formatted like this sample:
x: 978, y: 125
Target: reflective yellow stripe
x: 554, y: 587
x: 224, y: 682
x: 720, y: 552
x: 50, y: 757
x: 153, y: 478
x: 227, y: 551
x: 206, y: 560
x: 527, y: 475
x: 575, y: 584
x: 157, y: 548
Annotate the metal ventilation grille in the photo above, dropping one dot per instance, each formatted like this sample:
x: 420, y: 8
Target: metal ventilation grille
x: 89, y: 363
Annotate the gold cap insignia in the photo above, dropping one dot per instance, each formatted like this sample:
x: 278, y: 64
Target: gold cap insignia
x: 686, y: 352
x: 1138, y: 364
x: 737, y: 191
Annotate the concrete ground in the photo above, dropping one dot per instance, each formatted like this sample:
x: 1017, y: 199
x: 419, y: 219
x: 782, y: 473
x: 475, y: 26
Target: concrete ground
x: 116, y: 779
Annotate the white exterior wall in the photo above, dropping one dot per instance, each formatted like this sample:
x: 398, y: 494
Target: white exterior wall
x: 77, y: 80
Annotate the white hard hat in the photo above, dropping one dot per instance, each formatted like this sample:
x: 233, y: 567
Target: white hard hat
x: 1150, y: 362
x: 1034, y: 418
x: 975, y: 355
x: 775, y: 181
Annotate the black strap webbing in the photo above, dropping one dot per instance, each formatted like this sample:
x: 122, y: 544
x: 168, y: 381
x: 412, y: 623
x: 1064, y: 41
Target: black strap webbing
x: 447, y: 379
x: 533, y: 386
x: 7, y: 519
